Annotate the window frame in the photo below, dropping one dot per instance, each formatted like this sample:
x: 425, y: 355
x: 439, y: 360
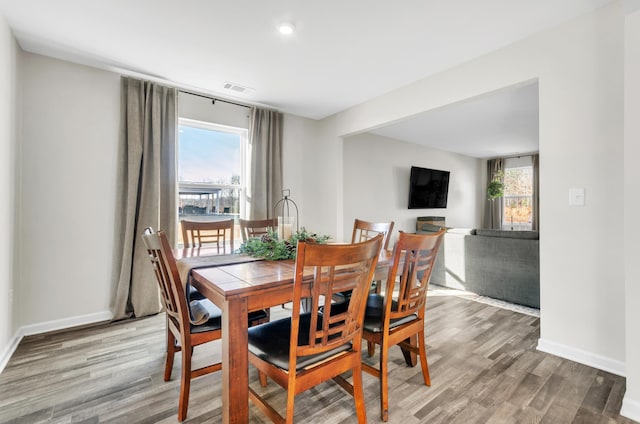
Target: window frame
x: 515, y: 163
x: 243, y: 133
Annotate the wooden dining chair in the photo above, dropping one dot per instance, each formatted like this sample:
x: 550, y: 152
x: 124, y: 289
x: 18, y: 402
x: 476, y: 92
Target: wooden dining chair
x: 183, y: 331
x: 396, y: 317
x: 308, y: 348
x: 197, y: 234
x: 251, y: 228
x: 364, y: 230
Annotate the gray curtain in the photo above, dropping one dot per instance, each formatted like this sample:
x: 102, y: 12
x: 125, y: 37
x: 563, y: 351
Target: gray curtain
x: 147, y: 191
x: 535, y: 196
x: 265, y: 140
x: 493, y: 208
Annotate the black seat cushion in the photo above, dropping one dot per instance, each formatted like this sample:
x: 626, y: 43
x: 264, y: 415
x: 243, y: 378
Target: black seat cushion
x: 338, y: 306
x: 375, y: 309
x: 194, y: 294
x: 270, y: 342
x: 375, y: 305
x: 257, y: 315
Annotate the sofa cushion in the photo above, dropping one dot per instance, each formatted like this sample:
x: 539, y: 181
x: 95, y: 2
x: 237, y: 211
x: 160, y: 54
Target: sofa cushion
x: 425, y: 227
x: 526, y: 235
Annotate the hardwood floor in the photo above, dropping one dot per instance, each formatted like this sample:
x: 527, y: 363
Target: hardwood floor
x: 483, y: 363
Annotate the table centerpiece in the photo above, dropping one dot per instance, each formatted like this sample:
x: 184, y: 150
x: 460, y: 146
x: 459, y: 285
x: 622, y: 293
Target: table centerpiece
x: 270, y: 247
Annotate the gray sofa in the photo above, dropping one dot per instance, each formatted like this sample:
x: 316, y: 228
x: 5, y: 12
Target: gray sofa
x: 500, y: 264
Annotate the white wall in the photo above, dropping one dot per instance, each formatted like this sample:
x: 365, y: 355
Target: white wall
x: 376, y: 183
x: 71, y: 119
x: 579, y: 70
x: 297, y: 134
x: 581, y: 145
x: 321, y: 177
x: 8, y: 143
x: 70, y: 130
x: 631, y: 403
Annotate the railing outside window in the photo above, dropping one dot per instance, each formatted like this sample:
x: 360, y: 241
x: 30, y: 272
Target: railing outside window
x: 208, y: 201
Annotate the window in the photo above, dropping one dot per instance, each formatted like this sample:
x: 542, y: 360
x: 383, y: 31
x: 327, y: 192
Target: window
x: 211, y: 171
x: 518, y: 189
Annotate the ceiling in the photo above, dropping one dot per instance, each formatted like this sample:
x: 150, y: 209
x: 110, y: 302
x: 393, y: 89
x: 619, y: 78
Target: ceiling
x: 502, y: 123
x: 342, y: 53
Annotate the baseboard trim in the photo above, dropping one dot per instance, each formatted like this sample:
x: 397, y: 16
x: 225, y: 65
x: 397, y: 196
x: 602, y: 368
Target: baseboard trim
x: 8, y: 352
x: 582, y: 356
x: 62, y: 324
x: 630, y: 408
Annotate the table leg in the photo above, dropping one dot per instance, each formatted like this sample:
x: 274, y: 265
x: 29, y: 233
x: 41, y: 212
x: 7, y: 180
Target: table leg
x: 305, y: 304
x: 235, y: 362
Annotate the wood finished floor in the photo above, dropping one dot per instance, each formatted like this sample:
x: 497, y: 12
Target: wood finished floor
x: 483, y: 363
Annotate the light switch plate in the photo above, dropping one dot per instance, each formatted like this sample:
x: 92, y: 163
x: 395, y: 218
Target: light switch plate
x: 576, y: 197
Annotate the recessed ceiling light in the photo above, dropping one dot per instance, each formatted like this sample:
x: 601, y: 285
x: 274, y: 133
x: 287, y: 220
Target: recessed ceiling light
x: 286, y: 28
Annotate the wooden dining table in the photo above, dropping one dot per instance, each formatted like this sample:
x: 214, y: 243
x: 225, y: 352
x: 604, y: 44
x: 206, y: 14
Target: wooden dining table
x: 237, y: 287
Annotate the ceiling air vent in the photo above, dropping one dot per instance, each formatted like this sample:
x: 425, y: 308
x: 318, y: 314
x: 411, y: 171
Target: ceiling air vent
x: 236, y: 87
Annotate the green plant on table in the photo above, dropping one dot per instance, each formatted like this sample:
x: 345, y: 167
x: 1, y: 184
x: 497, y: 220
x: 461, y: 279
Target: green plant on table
x: 269, y: 247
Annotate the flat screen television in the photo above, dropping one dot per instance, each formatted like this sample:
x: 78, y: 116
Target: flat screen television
x: 428, y: 188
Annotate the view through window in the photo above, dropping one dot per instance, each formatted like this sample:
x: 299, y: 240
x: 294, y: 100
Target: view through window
x: 518, y: 189
x: 211, y: 175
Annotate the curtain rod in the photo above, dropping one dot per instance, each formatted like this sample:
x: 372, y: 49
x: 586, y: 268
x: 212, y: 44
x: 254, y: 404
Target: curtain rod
x: 520, y: 155
x: 215, y: 99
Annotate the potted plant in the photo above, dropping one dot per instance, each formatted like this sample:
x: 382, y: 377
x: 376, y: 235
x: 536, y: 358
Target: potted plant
x: 495, y: 189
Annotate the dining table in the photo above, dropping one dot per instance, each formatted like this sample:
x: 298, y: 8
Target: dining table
x: 239, y: 284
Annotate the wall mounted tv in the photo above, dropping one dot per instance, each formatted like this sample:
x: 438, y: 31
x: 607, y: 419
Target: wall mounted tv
x: 428, y: 188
